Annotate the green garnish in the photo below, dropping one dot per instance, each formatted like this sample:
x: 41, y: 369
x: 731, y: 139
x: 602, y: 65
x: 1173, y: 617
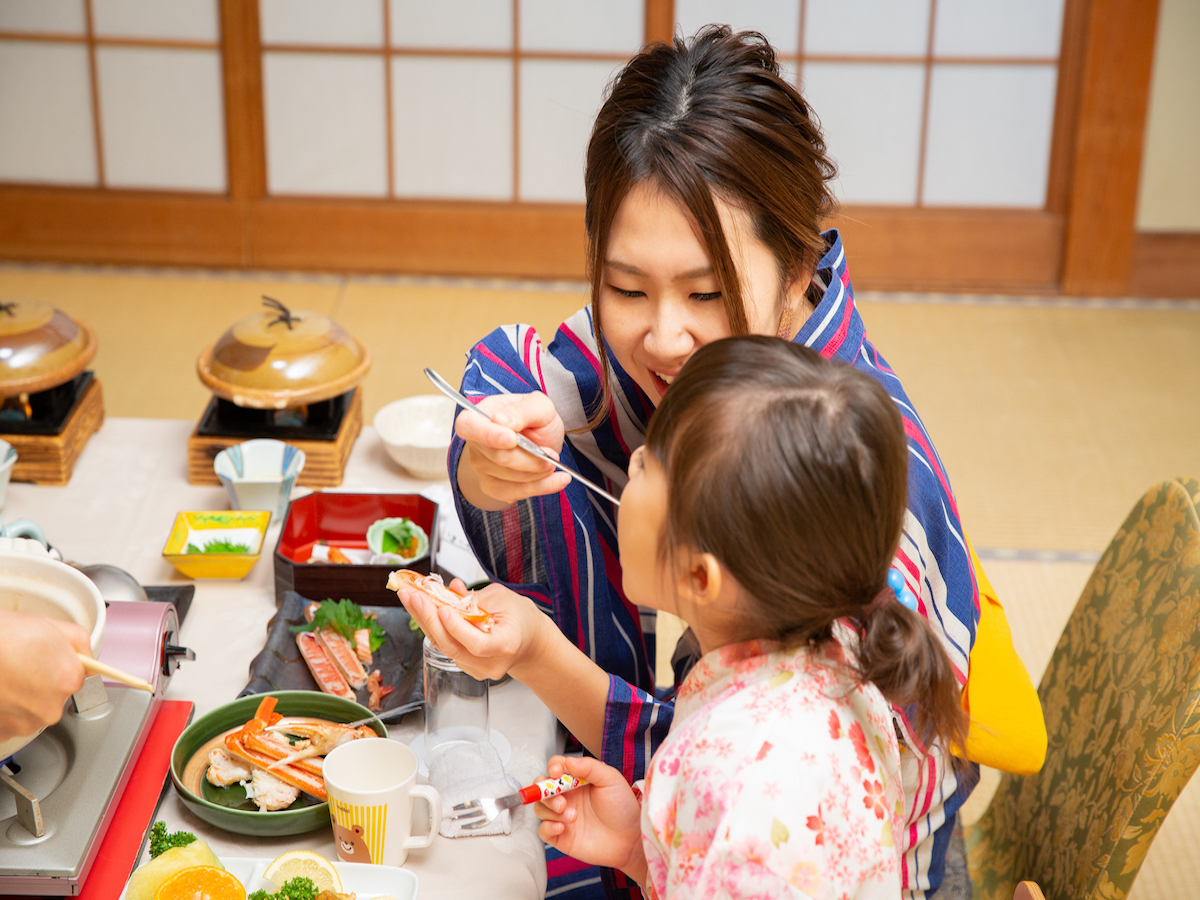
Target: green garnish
x: 218, y: 545
x: 161, y: 842
x: 345, y: 617
x: 298, y: 888
x: 403, y: 538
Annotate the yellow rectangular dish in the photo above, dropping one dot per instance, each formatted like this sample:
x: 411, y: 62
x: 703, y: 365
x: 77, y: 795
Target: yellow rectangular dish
x: 222, y: 543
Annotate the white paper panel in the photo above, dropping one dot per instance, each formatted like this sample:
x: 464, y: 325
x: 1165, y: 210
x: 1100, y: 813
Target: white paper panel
x: 989, y: 28
x: 46, y: 130
x: 778, y: 20
x: 325, y: 124
x: 185, y: 19
x: 453, y: 127
x: 338, y: 23
x: 162, y: 117
x: 559, y: 100
x: 478, y: 24
x: 611, y: 26
x: 989, y: 135
x: 871, y: 116
x: 47, y: 16
x: 898, y: 27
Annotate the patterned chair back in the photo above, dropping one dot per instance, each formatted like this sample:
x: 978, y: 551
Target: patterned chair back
x: 1121, y: 698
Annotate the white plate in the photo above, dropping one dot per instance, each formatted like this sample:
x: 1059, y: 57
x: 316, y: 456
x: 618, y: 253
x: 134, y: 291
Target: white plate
x: 363, y: 879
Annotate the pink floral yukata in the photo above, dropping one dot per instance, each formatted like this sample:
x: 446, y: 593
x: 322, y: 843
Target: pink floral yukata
x: 780, y: 778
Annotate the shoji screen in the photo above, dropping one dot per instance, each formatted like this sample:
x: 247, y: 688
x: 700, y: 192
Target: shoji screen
x: 112, y: 93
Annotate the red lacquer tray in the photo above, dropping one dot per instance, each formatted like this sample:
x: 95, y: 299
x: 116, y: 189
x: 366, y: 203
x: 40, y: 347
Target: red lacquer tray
x: 342, y: 520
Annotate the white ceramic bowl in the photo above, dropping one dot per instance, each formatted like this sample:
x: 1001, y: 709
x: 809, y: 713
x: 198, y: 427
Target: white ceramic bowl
x: 8, y: 459
x: 416, y: 432
x: 259, y: 474
x: 30, y: 581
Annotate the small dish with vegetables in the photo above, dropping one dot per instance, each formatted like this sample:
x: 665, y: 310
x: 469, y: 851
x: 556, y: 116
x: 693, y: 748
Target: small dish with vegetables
x: 216, y: 544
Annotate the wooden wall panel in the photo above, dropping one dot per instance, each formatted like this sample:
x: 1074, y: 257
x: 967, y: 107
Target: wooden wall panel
x: 515, y: 240
x: 1165, y: 265
x: 1102, y: 201
x: 951, y: 250
x: 73, y: 225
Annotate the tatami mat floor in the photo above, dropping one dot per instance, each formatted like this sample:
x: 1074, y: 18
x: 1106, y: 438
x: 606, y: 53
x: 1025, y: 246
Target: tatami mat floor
x: 1052, y: 416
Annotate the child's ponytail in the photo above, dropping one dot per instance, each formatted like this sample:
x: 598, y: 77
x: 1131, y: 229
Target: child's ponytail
x: 901, y: 655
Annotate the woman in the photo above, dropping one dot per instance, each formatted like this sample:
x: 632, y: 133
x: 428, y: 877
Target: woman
x: 706, y: 184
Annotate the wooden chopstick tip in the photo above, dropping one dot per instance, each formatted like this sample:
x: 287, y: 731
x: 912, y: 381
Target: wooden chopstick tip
x: 98, y: 668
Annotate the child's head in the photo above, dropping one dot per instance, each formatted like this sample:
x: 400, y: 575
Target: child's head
x: 710, y: 126
x: 791, y: 472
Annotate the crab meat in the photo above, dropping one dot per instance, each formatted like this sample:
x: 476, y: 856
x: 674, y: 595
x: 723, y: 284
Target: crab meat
x: 224, y: 770
x: 435, y: 589
x: 327, y: 676
x: 268, y: 792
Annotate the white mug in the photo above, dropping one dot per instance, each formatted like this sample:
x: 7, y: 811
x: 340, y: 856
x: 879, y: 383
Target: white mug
x: 371, y: 784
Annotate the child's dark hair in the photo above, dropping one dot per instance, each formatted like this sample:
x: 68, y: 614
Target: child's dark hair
x: 702, y: 118
x: 793, y: 472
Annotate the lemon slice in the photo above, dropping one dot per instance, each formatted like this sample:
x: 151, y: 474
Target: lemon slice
x: 304, y: 864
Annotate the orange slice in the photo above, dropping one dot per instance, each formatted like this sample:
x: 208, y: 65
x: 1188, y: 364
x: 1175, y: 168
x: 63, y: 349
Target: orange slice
x: 201, y: 883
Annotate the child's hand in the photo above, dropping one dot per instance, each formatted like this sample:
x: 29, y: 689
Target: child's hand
x: 478, y: 653
x: 599, y: 823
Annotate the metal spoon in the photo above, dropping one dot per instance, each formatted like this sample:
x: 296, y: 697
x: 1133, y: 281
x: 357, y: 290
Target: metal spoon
x: 114, y: 583
x: 523, y: 442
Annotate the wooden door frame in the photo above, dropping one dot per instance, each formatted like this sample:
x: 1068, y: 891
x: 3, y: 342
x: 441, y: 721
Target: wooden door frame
x: 1081, y: 243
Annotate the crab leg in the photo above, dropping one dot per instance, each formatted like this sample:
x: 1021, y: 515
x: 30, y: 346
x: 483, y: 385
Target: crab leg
x: 251, y: 745
x: 319, y: 739
x: 435, y: 589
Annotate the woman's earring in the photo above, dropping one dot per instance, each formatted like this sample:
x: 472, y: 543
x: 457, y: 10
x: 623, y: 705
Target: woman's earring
x: 906, y: 597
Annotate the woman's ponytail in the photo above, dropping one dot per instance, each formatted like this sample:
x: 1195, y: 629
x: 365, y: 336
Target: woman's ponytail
x: 901, y: 655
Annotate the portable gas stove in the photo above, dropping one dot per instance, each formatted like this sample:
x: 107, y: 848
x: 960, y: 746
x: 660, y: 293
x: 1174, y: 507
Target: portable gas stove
x: 291, y: 376
x: 49, y: 404
x: 60, y: 792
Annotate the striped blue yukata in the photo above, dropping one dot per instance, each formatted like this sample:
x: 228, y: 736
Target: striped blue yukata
x: 561, y: 550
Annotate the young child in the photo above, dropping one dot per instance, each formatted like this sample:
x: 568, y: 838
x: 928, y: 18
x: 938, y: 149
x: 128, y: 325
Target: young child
x: 765, y: 509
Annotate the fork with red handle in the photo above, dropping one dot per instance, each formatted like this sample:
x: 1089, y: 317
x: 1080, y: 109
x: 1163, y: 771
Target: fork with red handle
x: 478, y: 813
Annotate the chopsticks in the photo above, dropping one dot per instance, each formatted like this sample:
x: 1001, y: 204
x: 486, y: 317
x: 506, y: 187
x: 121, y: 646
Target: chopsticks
x: 98, y: 668
x: 523, y: 442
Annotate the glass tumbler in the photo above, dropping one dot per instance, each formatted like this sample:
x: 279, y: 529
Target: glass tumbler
x: 456, y: 705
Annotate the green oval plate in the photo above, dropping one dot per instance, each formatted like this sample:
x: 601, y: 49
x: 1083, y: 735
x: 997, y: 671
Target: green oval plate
x: 294, y: 820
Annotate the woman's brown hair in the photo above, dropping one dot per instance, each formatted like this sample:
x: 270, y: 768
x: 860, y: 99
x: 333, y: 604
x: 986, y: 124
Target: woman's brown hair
x: 793, y: 472
x: 708, y: 117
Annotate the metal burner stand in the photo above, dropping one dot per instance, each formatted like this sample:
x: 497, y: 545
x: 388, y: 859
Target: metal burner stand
x: 65, y: 791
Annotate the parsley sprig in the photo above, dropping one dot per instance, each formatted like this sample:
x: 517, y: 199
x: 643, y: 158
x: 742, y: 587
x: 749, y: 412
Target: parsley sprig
x: 345, y: 617
x: 298, y: 888
x: 161, y: 842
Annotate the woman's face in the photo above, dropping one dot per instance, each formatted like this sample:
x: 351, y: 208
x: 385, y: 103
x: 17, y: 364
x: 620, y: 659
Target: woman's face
x: 639, y: 533
x: 660, y: 299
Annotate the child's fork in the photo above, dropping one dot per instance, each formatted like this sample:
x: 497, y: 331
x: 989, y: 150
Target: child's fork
x: 479, y: 813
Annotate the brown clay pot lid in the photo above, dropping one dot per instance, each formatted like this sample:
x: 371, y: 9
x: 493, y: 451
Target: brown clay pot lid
x: 278, y: 358
x: 40, y: 347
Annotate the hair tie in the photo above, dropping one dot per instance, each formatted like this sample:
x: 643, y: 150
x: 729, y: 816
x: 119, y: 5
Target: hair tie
x: 906, y: 597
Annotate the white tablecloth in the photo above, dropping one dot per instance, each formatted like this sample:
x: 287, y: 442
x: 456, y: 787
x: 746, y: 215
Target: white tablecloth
x: 128, y: 485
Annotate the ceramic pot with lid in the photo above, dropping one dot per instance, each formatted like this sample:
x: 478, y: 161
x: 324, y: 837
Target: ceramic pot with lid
x: 279, y: 358
x: 40, y: 347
